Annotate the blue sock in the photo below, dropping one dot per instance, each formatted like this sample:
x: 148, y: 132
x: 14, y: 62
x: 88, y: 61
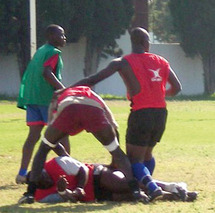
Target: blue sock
x: 142, y: 174
x: 150, y: 165
x: 23, y: 172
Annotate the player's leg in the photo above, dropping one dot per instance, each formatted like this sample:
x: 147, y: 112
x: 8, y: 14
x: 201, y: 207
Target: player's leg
x: 65, y: 142
x: 36, y: 123
x: 28, y: 147
x: 51, y: 139
x: 108, y: 138
x: 149, y: 160
x: 140, y: 171
x: 138, y: 136
x: 160, y: 117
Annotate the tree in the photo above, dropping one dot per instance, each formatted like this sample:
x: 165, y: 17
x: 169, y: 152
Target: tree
x: 161, y: 23
x: 194, y: 22
x: 101, y: 22
x: 14, y: 30
x: 109, y: 20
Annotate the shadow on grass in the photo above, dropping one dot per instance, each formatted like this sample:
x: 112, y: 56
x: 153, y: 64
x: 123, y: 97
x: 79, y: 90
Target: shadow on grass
x: 78, y: 207
x: 192, y: 98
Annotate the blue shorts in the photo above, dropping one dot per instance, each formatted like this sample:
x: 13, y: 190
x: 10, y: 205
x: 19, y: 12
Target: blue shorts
x: 37, y: 115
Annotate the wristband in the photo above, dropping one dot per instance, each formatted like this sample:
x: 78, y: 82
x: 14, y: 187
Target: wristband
x: 62, y: 193
x: 81, y: 189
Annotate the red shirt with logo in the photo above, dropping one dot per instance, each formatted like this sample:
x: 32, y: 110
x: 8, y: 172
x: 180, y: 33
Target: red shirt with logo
x: 152, y: 72
x: 55, y: 171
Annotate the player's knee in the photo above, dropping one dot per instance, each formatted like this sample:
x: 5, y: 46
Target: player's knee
x: 51, y: 145
x: 113, y: 145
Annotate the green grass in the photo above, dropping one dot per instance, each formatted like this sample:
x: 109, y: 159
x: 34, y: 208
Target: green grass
x: 186, y: 153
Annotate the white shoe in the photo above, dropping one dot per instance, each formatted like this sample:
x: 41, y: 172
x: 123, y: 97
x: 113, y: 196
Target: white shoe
x: 20, y: 179
x: 26, y: 198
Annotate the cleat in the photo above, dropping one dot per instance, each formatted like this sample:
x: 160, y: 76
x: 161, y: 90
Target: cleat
x: 143, y: 198
x: 155, y: 194
x: 21, y: 179
x: 26, y: 198
x: 191, y: 196
x: 182, y: 193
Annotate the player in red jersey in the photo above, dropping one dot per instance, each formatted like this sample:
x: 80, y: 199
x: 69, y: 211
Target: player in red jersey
x: 65, y: 178
x: 75, y: 110
x: 145, y: 76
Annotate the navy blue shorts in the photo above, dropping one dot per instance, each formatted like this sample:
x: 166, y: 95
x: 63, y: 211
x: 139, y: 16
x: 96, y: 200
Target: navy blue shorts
x: 146, y: 126
x: 36, y: 115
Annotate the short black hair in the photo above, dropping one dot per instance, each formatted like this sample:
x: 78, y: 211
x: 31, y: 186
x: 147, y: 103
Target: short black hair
x: 138, y: 35
x: 51, y: 29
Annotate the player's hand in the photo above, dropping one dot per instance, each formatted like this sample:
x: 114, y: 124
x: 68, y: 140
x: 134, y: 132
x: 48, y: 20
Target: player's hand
x: 62, y: 183
x: 59, y: 92
x: 79, y: 193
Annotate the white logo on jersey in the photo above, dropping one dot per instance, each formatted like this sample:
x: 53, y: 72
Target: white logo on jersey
x: 157, y: 76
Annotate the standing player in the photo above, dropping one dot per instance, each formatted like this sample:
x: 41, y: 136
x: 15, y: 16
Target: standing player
x: 41, y: 78
x: 145, y: 76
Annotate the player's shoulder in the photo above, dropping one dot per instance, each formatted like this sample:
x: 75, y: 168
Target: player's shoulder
x: 116, y: 63
x: 157, y: 57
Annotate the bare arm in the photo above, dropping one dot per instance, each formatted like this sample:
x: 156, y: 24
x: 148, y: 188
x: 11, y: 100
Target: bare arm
x: 175, y: 85
x: 112, y: 67
x: 78, y: 193
x: 50, y: 77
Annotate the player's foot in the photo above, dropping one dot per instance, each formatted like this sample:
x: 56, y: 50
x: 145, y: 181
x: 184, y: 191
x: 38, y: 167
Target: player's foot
x: 143, y: 198
x: 26, y: 198
x: 155, y: 194
x: 20, y: 179
x: 191, y: 196
x: 182, y: 193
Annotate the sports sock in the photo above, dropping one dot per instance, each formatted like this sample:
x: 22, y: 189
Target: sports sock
x: 23, y: 172
x: 150, y: 165
x: 142, y: 174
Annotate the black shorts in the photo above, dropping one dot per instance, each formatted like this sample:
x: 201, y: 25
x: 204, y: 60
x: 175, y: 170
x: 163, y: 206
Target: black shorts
x: 146, y: 126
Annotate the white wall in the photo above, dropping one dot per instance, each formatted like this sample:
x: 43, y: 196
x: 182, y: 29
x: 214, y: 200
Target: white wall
x: 189, y: 71
x: 9, y: 75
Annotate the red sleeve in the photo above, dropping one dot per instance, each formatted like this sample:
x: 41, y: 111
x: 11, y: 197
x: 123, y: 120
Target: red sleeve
x: 52, y: 62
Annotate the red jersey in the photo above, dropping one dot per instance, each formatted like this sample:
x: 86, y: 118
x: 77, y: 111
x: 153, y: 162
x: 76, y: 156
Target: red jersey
x: 55, y: 171
x: 82, y: 91
x: 152, y: 72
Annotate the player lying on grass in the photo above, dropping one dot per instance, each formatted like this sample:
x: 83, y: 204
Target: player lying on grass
x: 66, y: 179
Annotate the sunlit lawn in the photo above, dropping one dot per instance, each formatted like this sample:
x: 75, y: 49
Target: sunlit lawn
x: 186, y: 153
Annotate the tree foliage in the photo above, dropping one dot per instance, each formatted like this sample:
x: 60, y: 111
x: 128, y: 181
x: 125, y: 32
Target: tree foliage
x: 101, y: 22
x: 160, y: 21
x: 194, y: 22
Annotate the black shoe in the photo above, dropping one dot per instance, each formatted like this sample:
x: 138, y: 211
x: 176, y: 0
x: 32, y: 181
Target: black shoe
x: 26, y: 198
x: 191, y: 196
x: 134, y: 186
x: 155, y: 194
x: 143, y: 198
x: 182, y: 193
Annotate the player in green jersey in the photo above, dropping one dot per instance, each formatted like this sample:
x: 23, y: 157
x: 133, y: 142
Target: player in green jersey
x: 41, y: 78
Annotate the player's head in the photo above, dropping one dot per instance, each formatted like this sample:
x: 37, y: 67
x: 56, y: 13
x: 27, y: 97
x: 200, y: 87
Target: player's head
x: 55, y: 35
x: 140, y: 37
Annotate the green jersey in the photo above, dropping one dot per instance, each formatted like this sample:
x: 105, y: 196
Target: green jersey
x: 34, y: 88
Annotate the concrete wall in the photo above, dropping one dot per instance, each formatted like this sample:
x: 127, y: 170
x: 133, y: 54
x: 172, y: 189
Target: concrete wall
x: 189, y: 71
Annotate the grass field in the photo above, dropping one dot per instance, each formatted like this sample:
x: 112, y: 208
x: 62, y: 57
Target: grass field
x: 186, y: 153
